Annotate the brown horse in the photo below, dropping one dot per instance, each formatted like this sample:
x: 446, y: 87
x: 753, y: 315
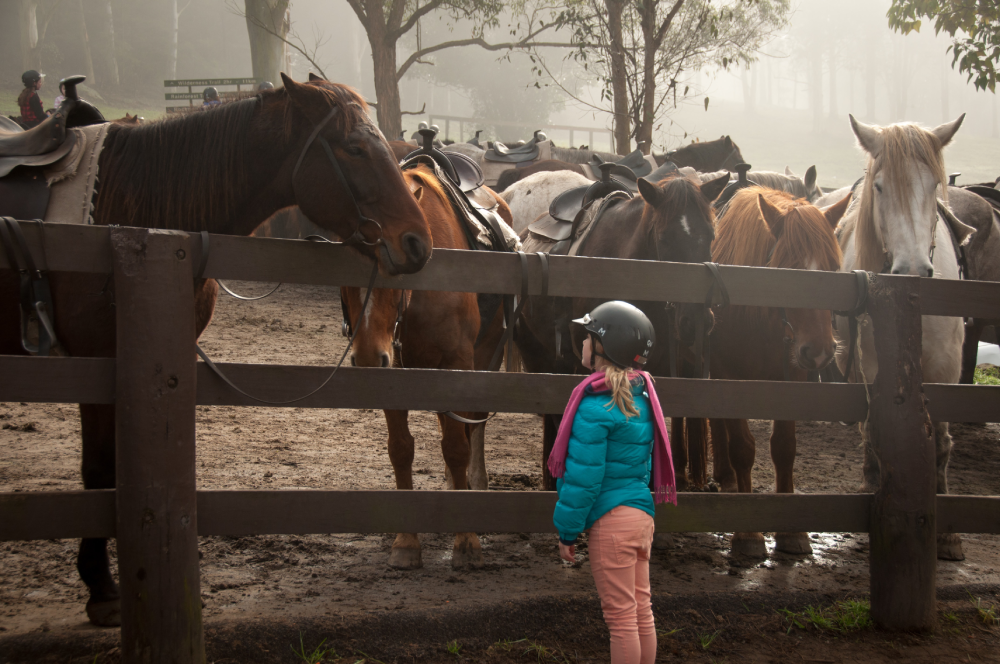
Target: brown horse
x: 435, y: 330
x: 767, y: 228
x: 670, y: 221
x: 224, y: 171
x: 721, y: 154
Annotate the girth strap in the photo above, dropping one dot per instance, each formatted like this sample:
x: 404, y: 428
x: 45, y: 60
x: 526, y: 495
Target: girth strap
x: 34, y: 293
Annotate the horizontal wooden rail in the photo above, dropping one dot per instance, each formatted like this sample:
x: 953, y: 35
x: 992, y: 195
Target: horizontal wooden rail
x: 92, y: 380
x: 73, y: 514
x: 76, y: 248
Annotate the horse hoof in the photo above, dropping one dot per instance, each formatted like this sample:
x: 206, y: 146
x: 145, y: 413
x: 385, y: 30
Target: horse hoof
x: 466, y: 557
x: 949, y: 547
x: 794, y: 543
x: 663, y: 541
x: 405, y: 558
x: 105, y: 614
x: 479, y: 482
x: 749, y: 545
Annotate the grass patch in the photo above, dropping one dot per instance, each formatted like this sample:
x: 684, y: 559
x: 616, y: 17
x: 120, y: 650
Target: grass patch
x: 987, y: 613
x: 453, y: 647
x: 706, y: 640
x: 843, y: 617
x: 987, y: 375
x: 314, y: 656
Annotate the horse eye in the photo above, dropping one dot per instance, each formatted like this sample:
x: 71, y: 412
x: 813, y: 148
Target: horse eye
x: 878, y: 187
x: 354, y: 151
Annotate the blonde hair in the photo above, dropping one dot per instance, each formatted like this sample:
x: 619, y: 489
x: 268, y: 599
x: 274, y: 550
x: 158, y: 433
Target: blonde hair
x: 619, y: 381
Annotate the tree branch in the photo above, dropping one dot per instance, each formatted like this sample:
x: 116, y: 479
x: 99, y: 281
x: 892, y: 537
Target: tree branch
x: 414, y: 17
x: 662, y: 32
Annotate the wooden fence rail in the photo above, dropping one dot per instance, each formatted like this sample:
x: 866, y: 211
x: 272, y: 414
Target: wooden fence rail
x: 156, y: 513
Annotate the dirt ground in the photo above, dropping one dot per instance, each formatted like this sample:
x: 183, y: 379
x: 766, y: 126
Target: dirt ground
x: 261, y: 593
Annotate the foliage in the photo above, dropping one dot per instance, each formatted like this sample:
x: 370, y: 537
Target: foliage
x: 706, y: 640
x: 987, y: 375
x: 666, y: 43
x: 973, y: 26
x: 453, y: 647
x: 314, y: 656
x: 987, y: 613
x: 847, y: 616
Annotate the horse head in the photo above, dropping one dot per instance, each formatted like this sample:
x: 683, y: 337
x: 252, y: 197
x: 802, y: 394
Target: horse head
x: 679, y: 223
x: 768, y: 228
x: 897, y: 214
x: 345, y: 176
x: 705, y: 156
x: 812, y: 192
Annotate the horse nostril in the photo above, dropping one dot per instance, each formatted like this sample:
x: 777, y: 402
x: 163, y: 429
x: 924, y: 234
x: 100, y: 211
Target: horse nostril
x: 353, y: 363
x: 385, y: 360
x: 806, y: 353
x: 930, y: 272
x: 414, y: 248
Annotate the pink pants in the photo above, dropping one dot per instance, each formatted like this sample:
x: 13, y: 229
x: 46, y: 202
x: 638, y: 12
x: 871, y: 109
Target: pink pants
x: 619, y: 546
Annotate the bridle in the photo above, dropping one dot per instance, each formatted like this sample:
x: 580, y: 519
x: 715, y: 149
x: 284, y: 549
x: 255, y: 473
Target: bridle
x: 887, y: 261
x: 357, y: 237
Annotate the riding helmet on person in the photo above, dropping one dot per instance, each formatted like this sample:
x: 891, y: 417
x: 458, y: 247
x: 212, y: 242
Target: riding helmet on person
x: 31, y: 77
x: 623, y: 330
x: 265, y: 85
x: 210, y: 97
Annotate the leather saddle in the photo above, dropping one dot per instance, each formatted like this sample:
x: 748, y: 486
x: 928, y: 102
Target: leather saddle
x: 516, y: 155
x: 461, y: 170
x: 740, y: 183
x: 635, y: 162
x: 48, y: 142
x: 566, y: 207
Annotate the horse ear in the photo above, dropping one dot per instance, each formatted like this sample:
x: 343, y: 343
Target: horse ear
x: 711, y: 189
x: 834, y: 213
x: 729, y: 142
x: 947, y: 131
x: 418, y: 193
x: 810, y: 178
x: 788, y: 172
x: 650, y: 193
x: 314, y: 77
x: 300, y: 93
x: 869, y: 137
x: 772, y: 216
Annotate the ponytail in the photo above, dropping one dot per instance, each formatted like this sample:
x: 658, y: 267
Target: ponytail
x: 619, y: 381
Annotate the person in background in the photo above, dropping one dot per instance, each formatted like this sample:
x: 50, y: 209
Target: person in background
x: 62, y: 95
x: 611, y: 441
x: 32, y: 111
x: 265, y: 85
x: 210, y: 97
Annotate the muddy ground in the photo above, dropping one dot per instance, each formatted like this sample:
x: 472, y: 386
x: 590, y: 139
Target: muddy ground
x: 260, y: 593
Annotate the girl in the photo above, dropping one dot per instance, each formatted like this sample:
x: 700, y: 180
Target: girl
x: 610, y: 429
x: 32, y: 112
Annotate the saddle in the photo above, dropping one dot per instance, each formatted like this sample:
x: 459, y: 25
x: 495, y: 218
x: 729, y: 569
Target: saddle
x: 565, y: 209
x: 49, y: 141
x: 740, y: 183
x: 517, y: 155
x: 635, y: 162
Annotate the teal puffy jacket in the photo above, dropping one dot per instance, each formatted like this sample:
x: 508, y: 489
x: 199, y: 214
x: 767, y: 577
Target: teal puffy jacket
x: 607, y: 463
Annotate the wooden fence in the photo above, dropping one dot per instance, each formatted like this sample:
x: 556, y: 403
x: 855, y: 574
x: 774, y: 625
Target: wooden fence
x: 156, y: 513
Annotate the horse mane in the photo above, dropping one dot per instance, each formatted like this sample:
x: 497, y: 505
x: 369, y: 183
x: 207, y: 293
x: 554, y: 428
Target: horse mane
x: 743, y: 237
x: 902, y: 145
x: 187, y: 171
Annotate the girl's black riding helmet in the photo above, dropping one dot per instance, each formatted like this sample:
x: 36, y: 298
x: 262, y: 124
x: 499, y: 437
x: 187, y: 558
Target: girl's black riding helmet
x: 624, y: 331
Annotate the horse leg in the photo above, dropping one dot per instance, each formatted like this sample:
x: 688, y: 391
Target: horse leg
x: 550, y: 427
x: 783, y: 457
x: 742, y: 451
x: 949, y: 545
x: 406, y: 549
x: 722, y: 467
x: 679, y: 451
x: 970, y: 350
x: 467, y: 553
x: 479, y: 479
x: 97, y: 423
x: 697, y: 442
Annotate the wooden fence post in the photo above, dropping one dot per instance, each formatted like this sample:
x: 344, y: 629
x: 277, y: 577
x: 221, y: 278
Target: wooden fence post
x: 155, y: 433
x: 903, y: 558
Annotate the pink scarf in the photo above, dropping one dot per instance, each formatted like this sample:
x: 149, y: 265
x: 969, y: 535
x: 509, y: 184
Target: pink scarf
x: 664, y: 486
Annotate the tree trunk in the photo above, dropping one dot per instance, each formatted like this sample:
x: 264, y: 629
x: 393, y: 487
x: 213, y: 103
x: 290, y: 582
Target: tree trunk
x: 749, y: 103
x: 832, y: 61
x: 389, y: 111
x: 945, y: 111
x: 88, y: 61
x: 108, y: 39
x: 816, y: 88
x: 28, y: 19
x: 651, y: 47
x: 619, y: 86
x: 175, y: 16
x: 267, y: 51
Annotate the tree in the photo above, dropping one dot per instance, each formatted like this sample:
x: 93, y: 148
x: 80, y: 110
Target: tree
x: 973, y: 25
x: 645, y: 51
x: 267, y: 25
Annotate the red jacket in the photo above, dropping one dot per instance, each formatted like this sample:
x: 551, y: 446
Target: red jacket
x: 32, y: 112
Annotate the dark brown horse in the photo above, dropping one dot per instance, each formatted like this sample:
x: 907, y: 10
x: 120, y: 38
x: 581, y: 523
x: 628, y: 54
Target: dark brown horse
x: 436, y: 330
x: 225, y: 171
x: 670, y: 221
x: 766, y: 228
x: 721, y: 154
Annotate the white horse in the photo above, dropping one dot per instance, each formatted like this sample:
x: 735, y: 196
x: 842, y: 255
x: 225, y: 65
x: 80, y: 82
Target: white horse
x: 530, y: 198
x: 893, y: 225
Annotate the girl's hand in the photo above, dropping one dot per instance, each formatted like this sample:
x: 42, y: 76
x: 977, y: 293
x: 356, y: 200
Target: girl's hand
x: 567, y: 552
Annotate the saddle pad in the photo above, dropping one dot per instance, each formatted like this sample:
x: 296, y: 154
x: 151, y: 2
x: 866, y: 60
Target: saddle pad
x: 534, y: 242
x: 72, y: 179
x: 493, y: 169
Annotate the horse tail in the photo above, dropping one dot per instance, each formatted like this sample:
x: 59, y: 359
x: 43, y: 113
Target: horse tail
x: 512, y: 359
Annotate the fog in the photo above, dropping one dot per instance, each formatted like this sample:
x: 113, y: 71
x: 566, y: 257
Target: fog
x: 788, y: 108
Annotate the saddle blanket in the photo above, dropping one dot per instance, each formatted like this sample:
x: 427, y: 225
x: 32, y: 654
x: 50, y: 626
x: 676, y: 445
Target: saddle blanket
x: 493, y: 169
x: 73, y: 178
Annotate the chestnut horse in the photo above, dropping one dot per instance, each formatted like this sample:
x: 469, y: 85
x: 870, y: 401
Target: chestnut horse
x: 768, y: 228
x: 436, y: 330
x: 670, y: 221
x: 225, y: 171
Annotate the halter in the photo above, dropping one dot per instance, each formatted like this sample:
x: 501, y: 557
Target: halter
x: 357, y: 237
